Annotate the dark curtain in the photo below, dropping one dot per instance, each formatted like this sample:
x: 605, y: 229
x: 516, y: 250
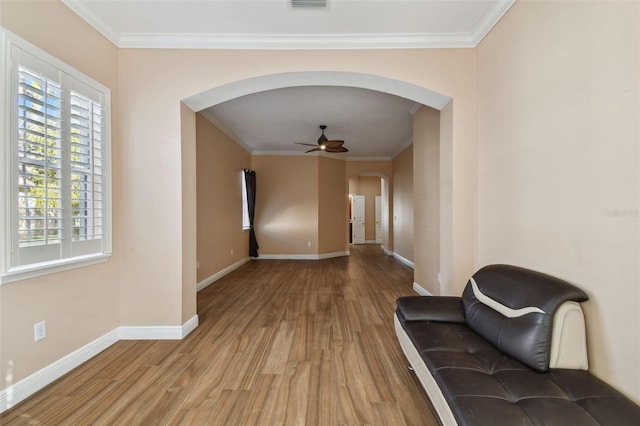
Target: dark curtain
x: 250, y: 179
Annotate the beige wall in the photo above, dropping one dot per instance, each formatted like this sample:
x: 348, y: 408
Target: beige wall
x: 426, y: 198
x: 286, y: 204
x: 332, y: 206
x: 558, y: 162
x: 81, y: 304
x: 403, y: 203
x: 370, y: 187
x: 557, y: 169
x: 148, y: 282
x: 300, y: 199
x: 219, y: 165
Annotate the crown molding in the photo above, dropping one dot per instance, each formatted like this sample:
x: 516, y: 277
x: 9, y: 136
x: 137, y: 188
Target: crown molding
x: 485, y: 25
x: 402, y: 147
x: 211, y: 119
x: 292, y: 41
x: 385, y: 158
x: 80, y: 9
x: 333, y: 156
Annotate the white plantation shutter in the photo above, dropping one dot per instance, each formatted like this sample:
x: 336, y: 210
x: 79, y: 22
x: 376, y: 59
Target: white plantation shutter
x: 39, y: 176
x: 59, y: 200
x: 86, y: 167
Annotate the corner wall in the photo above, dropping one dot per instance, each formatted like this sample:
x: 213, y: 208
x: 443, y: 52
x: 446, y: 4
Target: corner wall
x: 78, y: 305
x: 426, y: 199
x: 332, y: 207
x: 286, y: 204
x: 558, y: 162
x: 402, y: 219
x: 221, y: 242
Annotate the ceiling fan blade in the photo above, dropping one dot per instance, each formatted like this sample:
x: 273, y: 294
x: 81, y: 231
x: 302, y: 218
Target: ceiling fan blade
x: 337, y: 149
x: 333, y: 144
x: 324, y: 144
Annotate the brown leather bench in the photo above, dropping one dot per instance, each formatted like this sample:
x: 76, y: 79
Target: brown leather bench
x: 510, y: 351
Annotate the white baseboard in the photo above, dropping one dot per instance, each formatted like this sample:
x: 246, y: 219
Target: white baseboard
x: 334, y: 254
x: 158, y: 332
x: 41, y: 378
x: 420, y: 290
x: 403, y: 260
x: 371, y: 242
x: 304, y: 256
x: 26, y: 387
x: 215, y: 277
x: 386, y: 251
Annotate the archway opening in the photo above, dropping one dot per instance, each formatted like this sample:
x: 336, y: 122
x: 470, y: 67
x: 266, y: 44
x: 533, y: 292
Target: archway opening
x: 416, y: 93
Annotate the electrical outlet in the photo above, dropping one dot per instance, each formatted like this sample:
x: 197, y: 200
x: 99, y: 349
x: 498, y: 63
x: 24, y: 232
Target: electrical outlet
x: 39, y: 331
x: 308, y: 243
x: 231, y: 252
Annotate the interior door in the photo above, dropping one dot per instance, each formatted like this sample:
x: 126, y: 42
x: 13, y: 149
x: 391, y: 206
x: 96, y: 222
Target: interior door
x: 358, y: 219
x: 378, y: 219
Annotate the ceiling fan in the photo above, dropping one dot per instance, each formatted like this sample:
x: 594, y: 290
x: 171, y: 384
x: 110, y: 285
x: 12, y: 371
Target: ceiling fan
x: 324, y: 144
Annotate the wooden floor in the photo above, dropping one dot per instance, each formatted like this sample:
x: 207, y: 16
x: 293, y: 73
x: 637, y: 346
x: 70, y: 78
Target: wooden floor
x: 279, y: 343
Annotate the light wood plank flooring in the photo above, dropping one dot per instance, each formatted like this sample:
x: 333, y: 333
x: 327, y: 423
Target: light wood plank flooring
x: 279, y: 343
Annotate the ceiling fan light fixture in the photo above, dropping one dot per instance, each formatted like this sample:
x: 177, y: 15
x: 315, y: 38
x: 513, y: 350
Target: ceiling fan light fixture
x: 326, y: 145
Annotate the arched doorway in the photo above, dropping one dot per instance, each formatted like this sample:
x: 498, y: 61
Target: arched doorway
x: 416, y: 93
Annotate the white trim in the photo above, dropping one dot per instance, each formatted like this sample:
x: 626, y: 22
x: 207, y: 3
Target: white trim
x: 39, y: 269
x: 490, y: 20
x: 303, y: 256
x: 371, y: 242
x: 294, y: 41
x: 380, y: 158
x: 293, y: 153
x: 334, y: 254
x: 31, y: 384
x: 43, y: 377
x: 215, y: 277
x: 5, y: 148
x: 158, y: 332
x: 386, y: 251
x: 80, y: 9
x: 262, y: 83
x: 333, y: 156
x: 403, y: 260
x: 499, y: 307
x: 208, y: 115
x: 421, y: 290
x: 404, y: 145
x: 189, y: 326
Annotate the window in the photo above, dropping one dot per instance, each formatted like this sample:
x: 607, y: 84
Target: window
x: 246, y: 225
x: 55, y: 150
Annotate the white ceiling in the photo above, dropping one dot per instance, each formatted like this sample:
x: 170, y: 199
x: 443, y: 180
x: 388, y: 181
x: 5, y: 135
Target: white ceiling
x: 372, y: 124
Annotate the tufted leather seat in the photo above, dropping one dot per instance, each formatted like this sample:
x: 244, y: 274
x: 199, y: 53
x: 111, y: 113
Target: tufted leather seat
x: 481, y: 384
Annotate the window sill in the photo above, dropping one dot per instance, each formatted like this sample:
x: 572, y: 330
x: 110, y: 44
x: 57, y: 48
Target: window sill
x: 39, y: 269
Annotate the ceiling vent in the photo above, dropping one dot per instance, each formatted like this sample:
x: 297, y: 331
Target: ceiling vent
x: 308, y: 4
